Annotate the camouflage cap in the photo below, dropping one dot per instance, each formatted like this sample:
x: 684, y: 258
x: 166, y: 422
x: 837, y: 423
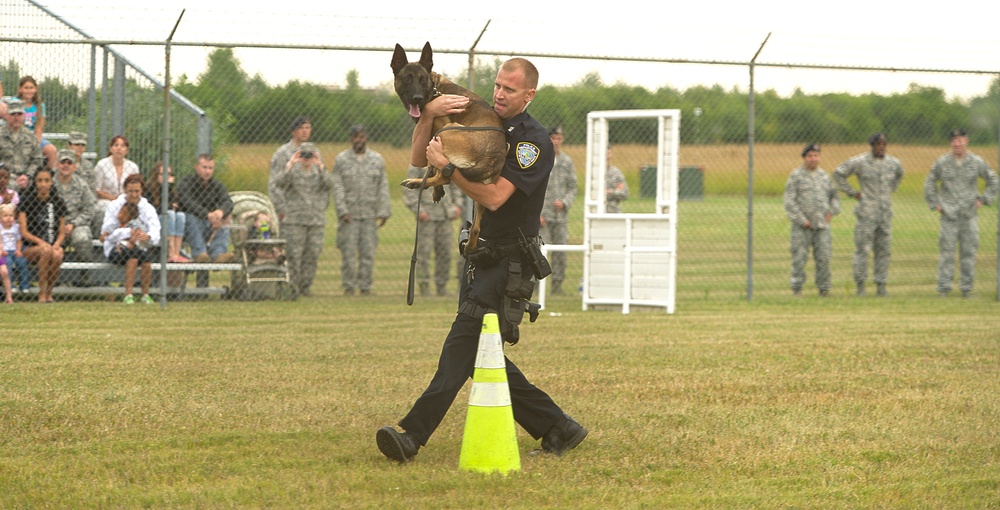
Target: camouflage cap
x: 77, y: 138
x: 308, y: 147
x: 813, y: 147
x: 956, y: 132
x: 65, y: 155
x: 14, y: 105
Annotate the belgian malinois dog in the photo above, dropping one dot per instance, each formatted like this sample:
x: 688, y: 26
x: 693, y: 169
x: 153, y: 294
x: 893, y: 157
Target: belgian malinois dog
x: 472, y: 140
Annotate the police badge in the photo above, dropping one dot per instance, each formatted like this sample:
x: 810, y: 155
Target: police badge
x: 527, y: 154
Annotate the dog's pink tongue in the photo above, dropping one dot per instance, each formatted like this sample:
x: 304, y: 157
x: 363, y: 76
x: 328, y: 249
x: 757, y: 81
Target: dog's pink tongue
x: 414, y: 111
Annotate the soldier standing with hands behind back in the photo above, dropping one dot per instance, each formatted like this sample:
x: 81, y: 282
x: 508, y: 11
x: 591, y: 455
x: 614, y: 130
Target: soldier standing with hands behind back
x: 361, y: 195
x: 878, y: 177
x: 810, y: 203
x: 958, y: 200
x: 555, y: 210
x: 435, y: 231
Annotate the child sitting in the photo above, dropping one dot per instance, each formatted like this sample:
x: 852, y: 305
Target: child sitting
x: 11, y: 246
x: 123, y: 236
x: 261, y: 230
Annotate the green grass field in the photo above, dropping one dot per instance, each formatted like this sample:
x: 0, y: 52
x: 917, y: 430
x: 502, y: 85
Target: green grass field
x: 841, y: 402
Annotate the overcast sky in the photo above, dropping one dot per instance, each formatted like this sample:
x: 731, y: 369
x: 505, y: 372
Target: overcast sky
x: 892, y: 33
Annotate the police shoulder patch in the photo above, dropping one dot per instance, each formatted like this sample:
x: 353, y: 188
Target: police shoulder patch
x: 527, y: 154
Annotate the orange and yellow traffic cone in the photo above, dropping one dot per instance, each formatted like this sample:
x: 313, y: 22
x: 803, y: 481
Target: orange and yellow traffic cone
x: 489, y: 443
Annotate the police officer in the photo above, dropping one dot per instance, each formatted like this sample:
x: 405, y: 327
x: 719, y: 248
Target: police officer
x: 435, y: 232
x: 951, y: 189
x: 513, y: 205
x: 361, y: 195
x: 19, y: 149
x: 810, y: 203
x: 80, y: 202
x: 305, y: 185
x: 878, y: 176
x: 555, y: 211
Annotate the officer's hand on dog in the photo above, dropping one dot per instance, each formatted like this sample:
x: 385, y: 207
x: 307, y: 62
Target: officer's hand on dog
x: 445, y: 104
x: 435, y: 153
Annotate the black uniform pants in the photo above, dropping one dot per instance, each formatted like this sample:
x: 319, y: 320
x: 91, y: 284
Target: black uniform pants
x: 533, y: 409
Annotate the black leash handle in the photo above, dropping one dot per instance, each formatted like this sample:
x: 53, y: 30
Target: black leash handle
x: 416, y: 239
x: 416, y: 235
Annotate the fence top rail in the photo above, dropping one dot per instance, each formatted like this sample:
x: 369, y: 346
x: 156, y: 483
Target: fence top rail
x: 620, y: 58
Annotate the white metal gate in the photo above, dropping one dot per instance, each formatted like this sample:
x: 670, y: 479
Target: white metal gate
x: 630, y: 259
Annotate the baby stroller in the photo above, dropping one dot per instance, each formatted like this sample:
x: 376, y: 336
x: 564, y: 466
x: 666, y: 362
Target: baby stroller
x: 260, y: 249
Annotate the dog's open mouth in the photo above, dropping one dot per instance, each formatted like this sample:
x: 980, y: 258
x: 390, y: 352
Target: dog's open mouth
x: 414, y: 111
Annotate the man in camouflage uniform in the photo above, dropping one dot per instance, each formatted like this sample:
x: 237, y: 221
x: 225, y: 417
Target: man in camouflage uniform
x: 84, y: 166
x: 305, y: 185
x: 19, y: 149
x: 361, y: 195
x: 555, y: 211
x: 615, y: 188
x: 958, y: 200
x: 80, y: 203
x: 301, y: 131
x: 810, y: 203
x: 878, y: 177
x: 435, y: 232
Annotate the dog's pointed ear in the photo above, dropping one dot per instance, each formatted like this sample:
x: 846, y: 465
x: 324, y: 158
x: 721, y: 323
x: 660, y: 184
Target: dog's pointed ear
x: 398, y: 59
x: 426, y: 59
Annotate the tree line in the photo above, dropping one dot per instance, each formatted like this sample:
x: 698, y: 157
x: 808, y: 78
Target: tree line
x: 246, y: 110
x: 250, y: 111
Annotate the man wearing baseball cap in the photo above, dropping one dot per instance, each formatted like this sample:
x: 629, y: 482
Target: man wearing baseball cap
x: 19, y: 148
x: 952, y: 190
x: 878, y: 176
x: 84, y: 167
x: 80, y: 200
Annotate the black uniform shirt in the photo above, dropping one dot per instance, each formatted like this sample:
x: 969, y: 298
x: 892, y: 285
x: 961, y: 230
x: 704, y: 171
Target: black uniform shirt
x: 530, y: 157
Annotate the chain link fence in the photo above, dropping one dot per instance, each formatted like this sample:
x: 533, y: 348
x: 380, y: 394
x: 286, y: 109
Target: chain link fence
x: 733, y: 243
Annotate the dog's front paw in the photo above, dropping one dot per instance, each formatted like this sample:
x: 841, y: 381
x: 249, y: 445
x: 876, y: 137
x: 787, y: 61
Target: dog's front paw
x: 411, y: 183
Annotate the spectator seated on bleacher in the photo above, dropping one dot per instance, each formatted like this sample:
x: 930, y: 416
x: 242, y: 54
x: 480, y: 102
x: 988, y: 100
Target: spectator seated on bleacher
x: 142, y: 234
x: 208, y: 208
x: 80, y: 202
